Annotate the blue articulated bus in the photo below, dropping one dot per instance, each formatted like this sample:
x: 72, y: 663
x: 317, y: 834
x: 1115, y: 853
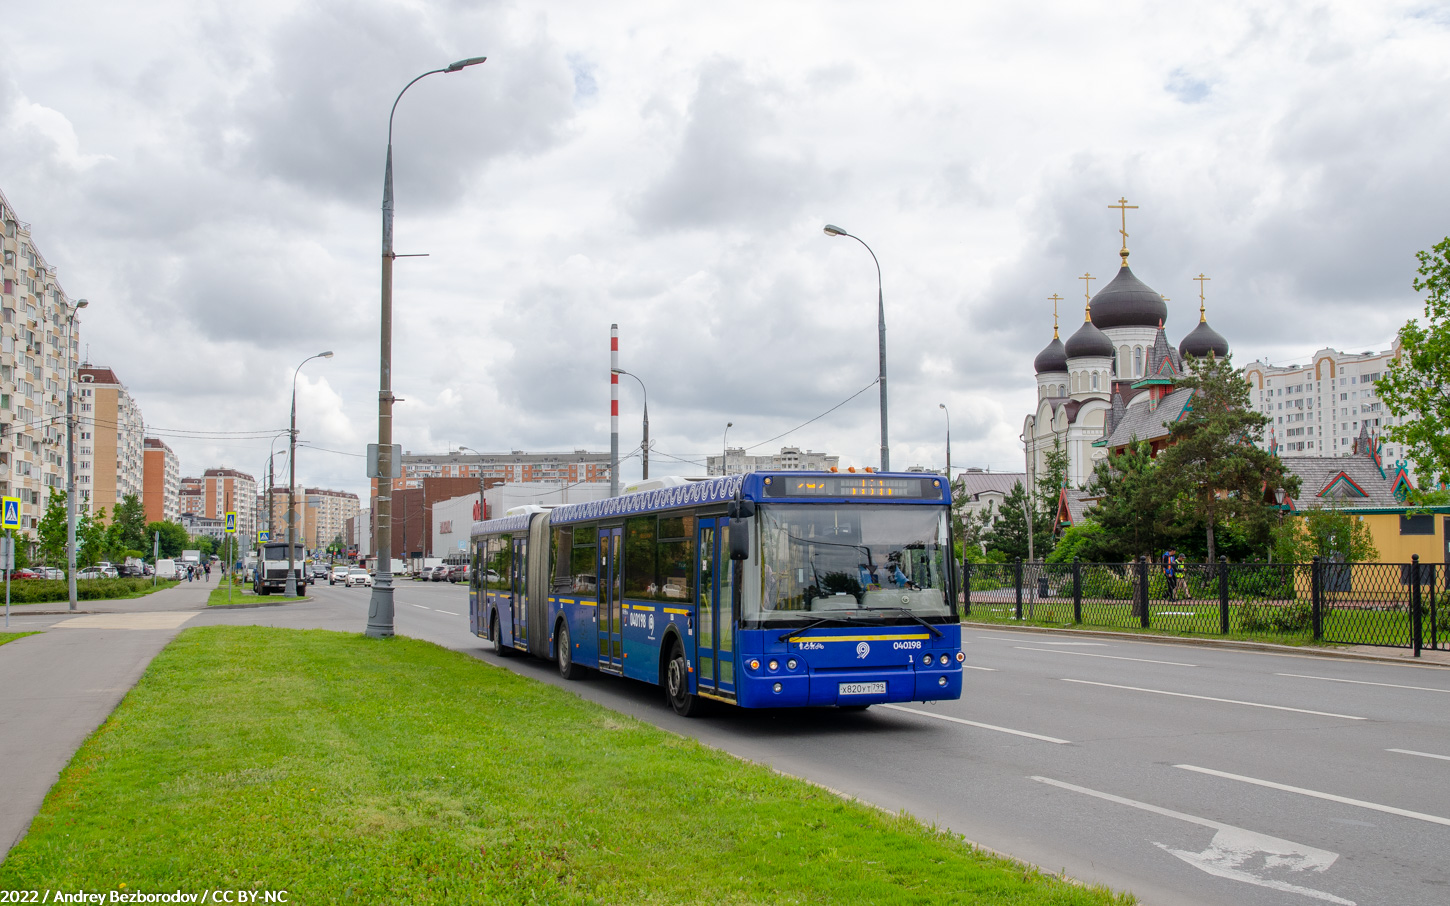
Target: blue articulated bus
x: 772, y: 589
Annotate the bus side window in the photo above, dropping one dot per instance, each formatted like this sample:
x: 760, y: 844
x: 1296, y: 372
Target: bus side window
x: 639, y: 558
x: 563, y: 543
x: 583, y: 569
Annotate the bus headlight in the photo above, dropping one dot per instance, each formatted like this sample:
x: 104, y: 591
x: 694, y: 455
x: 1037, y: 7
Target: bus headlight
x: 776, y: 688
x: 945, y: 659
x: 790, y: 664
x: 774, y: 665
x: 941, y: 681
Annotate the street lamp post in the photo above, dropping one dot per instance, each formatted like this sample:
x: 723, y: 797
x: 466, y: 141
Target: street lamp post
x: 481, y: 505
x: 70, y: 458
x: 380, y: 607
x: 645, y: 447
x: 832, y: 230
x: 725, y: 450
x: 943, y: 407
x: 291, y: 590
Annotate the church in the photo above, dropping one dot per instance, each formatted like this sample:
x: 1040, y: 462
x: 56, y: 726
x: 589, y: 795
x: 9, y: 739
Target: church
x: 1115, y: 378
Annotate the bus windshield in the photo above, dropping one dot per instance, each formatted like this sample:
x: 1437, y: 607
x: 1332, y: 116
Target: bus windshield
x: 851, y: 562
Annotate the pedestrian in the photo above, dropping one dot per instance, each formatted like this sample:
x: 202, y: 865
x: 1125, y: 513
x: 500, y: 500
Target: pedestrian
x: 1170, y: 571
x: 188, y: 572
x: 208, y: 570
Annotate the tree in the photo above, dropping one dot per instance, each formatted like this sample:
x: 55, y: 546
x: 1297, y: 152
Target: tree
x: 1219, y: 472
x: 1326, y: 532
x: 973, y: 531
x: 51, y: 530
x: 204, y: 543
x: 129, y: 521
x: 1081, y: 541
x: 1052, y: 480
x: 1135, y: 506
x: 1008, y: 533
x: 92, y: 541
x: 1416, y: 387
x: 174, y: 538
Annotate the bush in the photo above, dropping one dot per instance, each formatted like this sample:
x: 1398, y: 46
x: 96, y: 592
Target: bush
x: 39, y: 591
x: 1291, y: 618
x: 1117, y: 583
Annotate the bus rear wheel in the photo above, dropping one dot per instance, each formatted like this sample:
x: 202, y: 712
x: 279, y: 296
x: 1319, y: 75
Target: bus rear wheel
x: 567, y: 668
x: 677, y: 683
x: 495, y: 635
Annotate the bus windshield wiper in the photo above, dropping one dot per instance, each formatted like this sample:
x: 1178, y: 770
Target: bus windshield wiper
x: 902, y: 610
x: 810, y: 626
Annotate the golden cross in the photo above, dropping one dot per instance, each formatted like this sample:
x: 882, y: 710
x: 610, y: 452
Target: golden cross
x: 1123, y: 208
x: 1201, y: 278
x: 1055, y: 299
x: 1087, y: 296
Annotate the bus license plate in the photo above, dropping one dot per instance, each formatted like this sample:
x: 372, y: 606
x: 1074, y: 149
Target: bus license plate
x: 861, y: 689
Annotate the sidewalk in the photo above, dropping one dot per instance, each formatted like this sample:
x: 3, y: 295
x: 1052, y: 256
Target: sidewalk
x: 60, y: 685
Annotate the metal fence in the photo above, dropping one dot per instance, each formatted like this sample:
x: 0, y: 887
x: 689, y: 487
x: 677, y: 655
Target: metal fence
x: 1400, y: 605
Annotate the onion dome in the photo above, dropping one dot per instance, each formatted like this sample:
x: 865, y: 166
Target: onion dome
x: 1089, y: 341
x: 1202, y: 341
x: 1052, y: 358
x: 1128, y: 302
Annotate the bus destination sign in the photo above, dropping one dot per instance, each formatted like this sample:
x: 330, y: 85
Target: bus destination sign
x: 853, y: 486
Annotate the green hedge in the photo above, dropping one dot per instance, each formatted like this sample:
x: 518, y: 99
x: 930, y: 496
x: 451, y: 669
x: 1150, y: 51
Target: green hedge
x: 39, y: 591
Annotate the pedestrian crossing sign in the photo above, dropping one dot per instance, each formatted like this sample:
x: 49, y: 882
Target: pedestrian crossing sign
x: 264, y: 535
x: 231, y: 523
x: 10, y: 512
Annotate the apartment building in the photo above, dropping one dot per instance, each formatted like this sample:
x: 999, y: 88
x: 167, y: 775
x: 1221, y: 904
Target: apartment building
x: 735, y: 461
x: 321, y: 515
x: 191, y: 497
x: 110, y: 438
x: 38, y: 354
x: 225, y: 491
x: 580, y: 465
x: 161, y: 478
x: 1318, y: 409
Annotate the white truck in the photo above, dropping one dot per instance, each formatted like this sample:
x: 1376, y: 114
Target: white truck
x: 272, y: 562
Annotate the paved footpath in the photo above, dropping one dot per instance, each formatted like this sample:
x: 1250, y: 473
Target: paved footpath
x: 61, y: 684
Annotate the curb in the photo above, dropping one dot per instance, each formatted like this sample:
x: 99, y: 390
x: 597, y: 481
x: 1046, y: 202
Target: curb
x: 1233, y: 644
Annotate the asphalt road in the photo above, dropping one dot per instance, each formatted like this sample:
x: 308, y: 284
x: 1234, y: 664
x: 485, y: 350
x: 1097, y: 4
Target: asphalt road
x: 1182, y: 774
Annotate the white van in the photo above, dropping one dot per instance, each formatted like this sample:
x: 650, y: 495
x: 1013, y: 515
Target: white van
x: 166, y: 569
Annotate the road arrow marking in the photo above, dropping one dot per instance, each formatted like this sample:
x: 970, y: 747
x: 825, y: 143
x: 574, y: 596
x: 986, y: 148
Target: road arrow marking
x: 1234, y: 853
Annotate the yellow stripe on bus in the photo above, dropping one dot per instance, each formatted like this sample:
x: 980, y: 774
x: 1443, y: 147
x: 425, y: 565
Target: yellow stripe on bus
x: 854, y: 638
x: 676, y: 610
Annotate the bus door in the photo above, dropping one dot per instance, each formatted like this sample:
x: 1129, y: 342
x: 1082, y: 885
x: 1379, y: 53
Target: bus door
x: 519, y: 588
x: 714, y: 620
x: 611, y: 608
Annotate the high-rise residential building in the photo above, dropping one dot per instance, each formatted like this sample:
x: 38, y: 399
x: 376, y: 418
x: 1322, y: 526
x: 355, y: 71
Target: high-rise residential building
x: 225, y: 491
x: 322, y: 516
x: 191, y: 497
x: 162, y: 482
x: 1318, y: 408
x: 580, y: 465
x: 735, y: 461
x: 38, y: 354
x: 110, y: 437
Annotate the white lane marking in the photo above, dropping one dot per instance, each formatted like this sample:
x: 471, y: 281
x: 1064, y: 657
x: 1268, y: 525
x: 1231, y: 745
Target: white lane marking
x: 970, y: 667
x: 1330, y: 679
x: 1329, y: 797
x: 450, y: 613
x: 1076, y: 644
x: 973, y: 723
x: 1115, y: 657
x: 157, y: 620
x: 1209, y: 698
x: 420, y: 606
x: 1233, y: 848
x: 1421, y: 754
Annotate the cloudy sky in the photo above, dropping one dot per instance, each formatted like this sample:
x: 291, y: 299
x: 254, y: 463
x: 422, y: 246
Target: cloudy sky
x: 209, y: 176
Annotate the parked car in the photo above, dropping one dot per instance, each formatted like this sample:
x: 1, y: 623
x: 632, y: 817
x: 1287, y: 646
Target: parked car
x: 110, y: 572
x: 24, y: 574
x: 338, y: 574
x: 166, y: 568
x: 90, y: 572
x: 438, y: 573
x: 357, y: 577
x: 458, y: 573
x: 52, y: 572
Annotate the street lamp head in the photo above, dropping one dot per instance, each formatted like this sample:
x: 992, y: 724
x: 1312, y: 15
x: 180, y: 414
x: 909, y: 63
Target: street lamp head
x: 325, y: 355
x: 82, y: 303
x: 460, y: 64
x: 941, y: 405
x: 833, y: 230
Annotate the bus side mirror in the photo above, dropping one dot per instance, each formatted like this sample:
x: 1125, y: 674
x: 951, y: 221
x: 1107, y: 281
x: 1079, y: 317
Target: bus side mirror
x: 739, y: 540
x: 740, y: 509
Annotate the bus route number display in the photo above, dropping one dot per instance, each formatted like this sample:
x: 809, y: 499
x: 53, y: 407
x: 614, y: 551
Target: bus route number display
x: 854, y: 486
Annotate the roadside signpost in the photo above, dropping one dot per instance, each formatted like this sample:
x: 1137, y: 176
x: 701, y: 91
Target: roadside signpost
x: 231, y: 537
x: 155, y: 554
x: 9, y: 521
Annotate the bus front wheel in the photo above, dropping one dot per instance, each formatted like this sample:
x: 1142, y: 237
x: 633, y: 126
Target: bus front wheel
x: 567, y: 668
x: 677, y: 683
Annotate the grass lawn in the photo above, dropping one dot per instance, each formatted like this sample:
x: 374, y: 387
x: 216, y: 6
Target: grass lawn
x: 50, y: 591
x: 12, y: 636
x: 343, y: 768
